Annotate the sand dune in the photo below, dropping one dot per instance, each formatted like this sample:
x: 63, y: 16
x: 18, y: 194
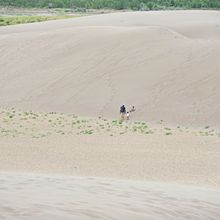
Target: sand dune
x: 164, y: 63
x: 56, y: 197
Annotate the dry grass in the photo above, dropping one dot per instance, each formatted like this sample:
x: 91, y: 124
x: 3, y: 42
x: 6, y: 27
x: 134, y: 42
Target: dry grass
x: 13, y: 20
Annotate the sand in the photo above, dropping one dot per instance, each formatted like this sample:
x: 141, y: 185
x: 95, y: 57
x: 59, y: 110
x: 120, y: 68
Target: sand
x: 164, y: 63
x: 59, y: 143
x: 62, y: 161
x: 165, y: 159
x: 97, y: 168
x: 38, y: 197
x: 68, y: 144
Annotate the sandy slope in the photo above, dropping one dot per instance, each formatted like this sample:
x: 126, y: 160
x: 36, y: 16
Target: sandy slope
x: 165, y: 63
x: 40, y: 197
x: 67, y: 144
x: 185, y: 157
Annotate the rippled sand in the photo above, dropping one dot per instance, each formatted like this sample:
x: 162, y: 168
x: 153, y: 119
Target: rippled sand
x: 38, y: 197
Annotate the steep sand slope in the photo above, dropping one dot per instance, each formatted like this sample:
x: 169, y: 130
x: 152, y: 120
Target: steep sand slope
x: 164, y: 63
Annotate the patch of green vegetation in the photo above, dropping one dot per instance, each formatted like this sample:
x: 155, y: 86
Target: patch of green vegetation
x: 167, y: 129
x: 39, y: 125
x: 12, y: 20
x: 149, y: 132
x: 88, y: 131
x: 168, y: 133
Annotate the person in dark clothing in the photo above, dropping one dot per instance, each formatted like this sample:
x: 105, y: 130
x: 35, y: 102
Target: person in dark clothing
x: 122, y: 111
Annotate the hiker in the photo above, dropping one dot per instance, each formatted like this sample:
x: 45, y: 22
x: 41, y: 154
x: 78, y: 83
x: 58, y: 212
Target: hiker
x: 122, y: 111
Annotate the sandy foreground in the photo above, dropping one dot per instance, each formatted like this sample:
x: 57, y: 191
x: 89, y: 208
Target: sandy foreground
x: 167, y: 172
x: 27, y: 196
x: 180, y: 158
x: 59, y: 143
x: 162, y: 164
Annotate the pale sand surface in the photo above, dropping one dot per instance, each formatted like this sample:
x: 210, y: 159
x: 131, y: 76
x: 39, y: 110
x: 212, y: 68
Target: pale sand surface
x: 160, y: 156
x: 165, y: 63
x: 58, y: 143
x: 43, y: 197
x: 153, y: 158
